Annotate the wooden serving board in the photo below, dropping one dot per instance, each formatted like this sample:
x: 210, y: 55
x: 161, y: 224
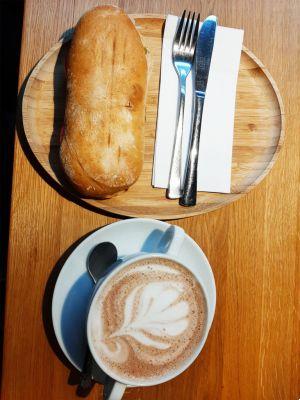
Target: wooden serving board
x: 258, y: 132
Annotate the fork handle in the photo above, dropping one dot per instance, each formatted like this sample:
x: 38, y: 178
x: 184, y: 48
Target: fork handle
x: 189, y: 194
x: 174, y: 186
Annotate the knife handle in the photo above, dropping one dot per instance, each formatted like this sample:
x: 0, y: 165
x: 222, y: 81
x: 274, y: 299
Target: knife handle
x: 189, y: 192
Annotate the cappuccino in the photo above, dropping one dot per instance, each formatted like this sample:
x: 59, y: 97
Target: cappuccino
x: 148, y: 319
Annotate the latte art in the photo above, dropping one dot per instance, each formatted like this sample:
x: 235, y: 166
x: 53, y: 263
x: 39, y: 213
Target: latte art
x: 148, y: 319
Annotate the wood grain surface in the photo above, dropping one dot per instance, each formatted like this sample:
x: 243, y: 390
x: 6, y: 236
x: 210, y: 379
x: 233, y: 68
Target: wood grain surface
x: 253, y: 245
x: 258, y: 129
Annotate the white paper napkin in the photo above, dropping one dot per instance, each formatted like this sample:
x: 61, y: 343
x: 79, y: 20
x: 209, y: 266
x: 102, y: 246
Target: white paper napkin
x: 214, y: 167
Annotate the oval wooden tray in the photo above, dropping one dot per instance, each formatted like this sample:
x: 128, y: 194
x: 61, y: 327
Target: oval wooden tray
x: 258, y: 132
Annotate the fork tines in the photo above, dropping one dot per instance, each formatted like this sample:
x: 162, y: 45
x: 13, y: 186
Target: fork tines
x: 187, y: 32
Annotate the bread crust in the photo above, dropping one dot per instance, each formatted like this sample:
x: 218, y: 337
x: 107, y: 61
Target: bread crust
x: 102, y: 145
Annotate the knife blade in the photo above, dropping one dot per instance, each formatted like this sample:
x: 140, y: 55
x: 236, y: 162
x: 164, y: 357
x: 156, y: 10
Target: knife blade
x: 204, y: 50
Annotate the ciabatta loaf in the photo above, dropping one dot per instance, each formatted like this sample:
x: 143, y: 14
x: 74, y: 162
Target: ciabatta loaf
x: 102, y: 144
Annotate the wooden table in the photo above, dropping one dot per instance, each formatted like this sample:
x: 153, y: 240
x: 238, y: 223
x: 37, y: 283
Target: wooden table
x: 253, y: 349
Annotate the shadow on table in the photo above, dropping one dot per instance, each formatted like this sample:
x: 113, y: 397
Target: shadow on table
x: 63, y: 188
x: 11, y: 18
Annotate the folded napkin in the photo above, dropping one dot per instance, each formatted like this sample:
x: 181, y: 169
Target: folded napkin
x: 214, y: 167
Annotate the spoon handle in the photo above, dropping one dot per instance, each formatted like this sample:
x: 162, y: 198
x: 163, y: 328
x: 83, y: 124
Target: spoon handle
x: 86, y: 378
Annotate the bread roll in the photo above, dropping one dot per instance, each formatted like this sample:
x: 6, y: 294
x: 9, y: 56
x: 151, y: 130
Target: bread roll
x: 102, y: 145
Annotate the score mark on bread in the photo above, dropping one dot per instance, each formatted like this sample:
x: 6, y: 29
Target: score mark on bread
x: 102, y: 145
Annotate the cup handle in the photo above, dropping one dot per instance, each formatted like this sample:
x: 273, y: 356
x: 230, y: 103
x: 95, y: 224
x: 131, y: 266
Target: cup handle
x: 114, y: 390
x: 171, y: 241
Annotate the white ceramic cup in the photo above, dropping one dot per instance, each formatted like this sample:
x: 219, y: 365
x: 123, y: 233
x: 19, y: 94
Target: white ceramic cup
x: 168, y: 247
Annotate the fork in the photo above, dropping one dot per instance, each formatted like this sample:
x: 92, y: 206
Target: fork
x: 182, y: 53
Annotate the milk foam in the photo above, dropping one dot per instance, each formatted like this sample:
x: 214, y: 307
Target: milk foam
x: 148, y: 318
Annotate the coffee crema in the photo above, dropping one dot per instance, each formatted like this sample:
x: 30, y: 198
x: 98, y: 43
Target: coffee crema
x: 148, y: 319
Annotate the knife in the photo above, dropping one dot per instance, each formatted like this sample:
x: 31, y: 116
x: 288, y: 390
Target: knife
x: 204, y: 49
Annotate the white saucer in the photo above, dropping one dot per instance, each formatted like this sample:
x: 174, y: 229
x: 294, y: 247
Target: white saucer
x: 74, y: 286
